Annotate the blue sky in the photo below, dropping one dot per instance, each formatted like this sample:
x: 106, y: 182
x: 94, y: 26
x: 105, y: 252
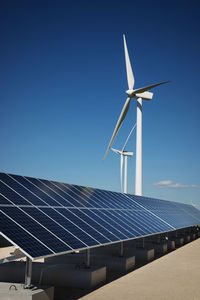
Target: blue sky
x: 63, y: 85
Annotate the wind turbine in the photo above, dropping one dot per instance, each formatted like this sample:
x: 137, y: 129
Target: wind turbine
x: 139, y: 94
x: 124, y: 154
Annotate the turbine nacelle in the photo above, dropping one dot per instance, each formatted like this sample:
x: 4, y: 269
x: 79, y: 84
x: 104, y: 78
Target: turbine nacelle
x: 145, y: 95
x: 125, y: 153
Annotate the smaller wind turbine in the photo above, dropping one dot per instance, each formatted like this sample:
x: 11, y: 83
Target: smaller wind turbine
x: 124, y: 154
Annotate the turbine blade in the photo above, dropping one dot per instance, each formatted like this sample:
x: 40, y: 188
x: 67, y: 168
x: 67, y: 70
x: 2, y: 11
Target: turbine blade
x: 128, y: 137
x: 129, y: 71
x: 119, y: 123
x: 121, y: 170
x: 146, y: 88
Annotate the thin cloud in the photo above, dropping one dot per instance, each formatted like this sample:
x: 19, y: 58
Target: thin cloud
x: 170, y: 185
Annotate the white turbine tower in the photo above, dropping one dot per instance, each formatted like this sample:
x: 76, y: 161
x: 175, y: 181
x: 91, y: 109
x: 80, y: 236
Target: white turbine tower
x: 124, y: 156
x: 139, y: 94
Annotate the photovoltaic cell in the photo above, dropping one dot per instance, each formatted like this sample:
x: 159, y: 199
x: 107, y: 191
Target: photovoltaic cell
x: 47, y: 218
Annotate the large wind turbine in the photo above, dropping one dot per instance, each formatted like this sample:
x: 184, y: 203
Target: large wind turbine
x: 139, y: 94
x: 124, y: 155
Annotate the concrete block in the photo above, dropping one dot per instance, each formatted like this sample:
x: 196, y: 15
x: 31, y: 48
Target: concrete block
x: 113, y: 262
x: 15, y: 291
x: 160, y: 248
x: 187, y: 239
x: 179, y: 241
x: 171, y: 245
x: 55, y: 275
x: 192, y: 236
x: 144, y: 254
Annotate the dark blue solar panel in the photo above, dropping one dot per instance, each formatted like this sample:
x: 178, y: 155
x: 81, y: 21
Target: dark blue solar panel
x: 112, y: 217
x: 68, y: 194
x: 4, y: 201
x: 151, y: 221
x: 64, y: 198
x: 124, y: 217
x: 193, y: 212
x: 97, y: 216
x: 8, y: 193
x: 109, y: 202
x: 43, y: 234
x: 69, y: 227
x: 112, y: 223
x: 76, y: 219
x: 91, y: 197
x: 21, y: 190
x: 46, y: 218
x: 122, y: 199
x: 57, y: 229
x: 19, y: 236
x: 98, y: 226
x: 114, y: 200
x: 77, y: 195
x: 35, y: 190
x: 47, y: 189
x: 178, y: 218
x: 178, y: 215
x: 151, y: 203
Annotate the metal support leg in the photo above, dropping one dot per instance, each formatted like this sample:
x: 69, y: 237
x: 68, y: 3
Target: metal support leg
x: 88, y: 258
x: 28, y: 273
x: 121, y: 249
x: 142, y: 243
x: 158, y: 238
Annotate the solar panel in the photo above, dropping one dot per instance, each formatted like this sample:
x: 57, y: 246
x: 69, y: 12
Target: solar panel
x: 179, y: 215
x: 46, y: 218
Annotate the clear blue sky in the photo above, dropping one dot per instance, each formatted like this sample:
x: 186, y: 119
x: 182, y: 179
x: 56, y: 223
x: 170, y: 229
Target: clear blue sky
x: 63, y: 82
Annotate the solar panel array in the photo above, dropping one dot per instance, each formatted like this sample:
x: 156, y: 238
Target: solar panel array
x: 46, y: 218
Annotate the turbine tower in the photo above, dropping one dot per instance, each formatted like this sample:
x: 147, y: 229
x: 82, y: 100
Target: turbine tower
x: 139, y: 94
x: 124, y: 155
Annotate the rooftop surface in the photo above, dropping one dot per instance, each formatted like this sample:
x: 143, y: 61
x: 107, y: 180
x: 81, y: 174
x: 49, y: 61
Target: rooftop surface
x: 173, y: 276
